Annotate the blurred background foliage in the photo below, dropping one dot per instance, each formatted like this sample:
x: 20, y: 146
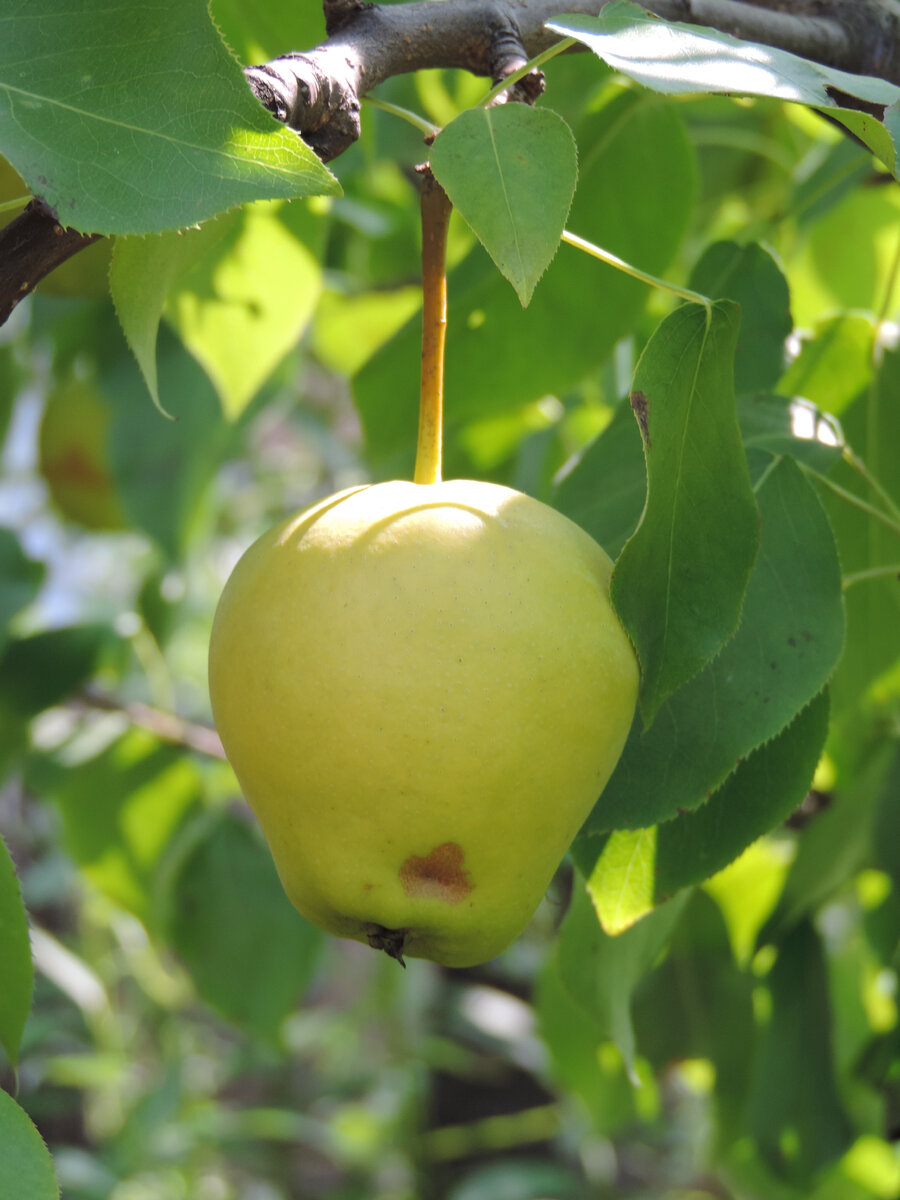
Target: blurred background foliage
x: 190, y: 1035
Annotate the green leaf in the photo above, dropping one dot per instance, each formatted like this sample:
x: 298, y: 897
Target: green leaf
x: 749, y: 275
x: 795, y: 1113
x: 680, y: 580
x: 835, y: 845
x: 141, y: 274
x: 119, y: 812
x: 136, y: 118
x: 844, y: 261
x: 761, y: 793
x: 20, y: 579
x: 678, y: 58
x: 27, y: 1166
x: 163, y: 468
x: 239, y: 292
x: 780, y: 425
x: 789, y: 639
x: 39, y: 671
x: 638, y: 869
x: 510, y: 172
x: 834, y: 364
x: 15, y: 955
x: 601, y: 972
x: 604, y: 490
x: 257, y: 32
x: 872, y: 428
x: 698, y: 1005
x: 622, y: 883
x: 580, y: 1062
x: 249, y: 952
x: 499, y: 358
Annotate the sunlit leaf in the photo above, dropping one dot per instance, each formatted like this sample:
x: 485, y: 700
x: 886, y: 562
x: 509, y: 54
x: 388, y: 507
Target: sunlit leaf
x: 622, y: 884
x: 676, y: 58
x: 136, y: 118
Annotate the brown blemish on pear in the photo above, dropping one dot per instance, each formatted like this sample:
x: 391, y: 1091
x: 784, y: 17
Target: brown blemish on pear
x: 438, y: 876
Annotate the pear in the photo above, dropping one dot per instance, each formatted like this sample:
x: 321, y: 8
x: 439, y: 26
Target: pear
x: 422, y: 689
x: 74, y: 456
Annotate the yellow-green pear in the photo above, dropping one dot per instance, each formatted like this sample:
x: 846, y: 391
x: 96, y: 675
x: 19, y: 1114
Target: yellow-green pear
x: 422, y: 690
x: 74, y: 456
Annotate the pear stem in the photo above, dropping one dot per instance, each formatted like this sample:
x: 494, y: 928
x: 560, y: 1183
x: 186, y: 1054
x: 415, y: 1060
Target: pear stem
x: 436, y: 209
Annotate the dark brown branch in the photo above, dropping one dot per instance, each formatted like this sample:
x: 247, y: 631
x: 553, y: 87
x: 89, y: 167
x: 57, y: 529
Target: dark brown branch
x: 31, y: 246
x: 318, y: 92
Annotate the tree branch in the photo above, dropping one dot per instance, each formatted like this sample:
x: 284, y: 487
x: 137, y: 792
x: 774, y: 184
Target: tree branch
x: 317, y: 92
x: 31, y: 246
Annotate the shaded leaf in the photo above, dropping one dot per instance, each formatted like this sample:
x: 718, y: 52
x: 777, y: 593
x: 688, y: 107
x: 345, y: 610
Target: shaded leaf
x: 578, y: 1062
x: 15, y: 956
x: 872, y: 428
x: 604, y: 490
x: 761, y: 793
x: 698, y: 1005
x: 39, y: 671
x: 797, y: 427
x: 248, y: 950
x: 634, y: 870
x: 601, y: 972
x: 790, y: 637
x: 119, y: 812
x: 679, y: 582
x: 749, y: 275
x: 28, y: 1172
x: 795, y: 1114
x: 163, y: 468
x: 20, y: 579
x: 136, y: 118
x: 510, y: 171
x: 833, y: 847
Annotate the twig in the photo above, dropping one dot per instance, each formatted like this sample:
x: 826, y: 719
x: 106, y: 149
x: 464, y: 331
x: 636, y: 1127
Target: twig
x: 166, y: 726
x: 31, y: 246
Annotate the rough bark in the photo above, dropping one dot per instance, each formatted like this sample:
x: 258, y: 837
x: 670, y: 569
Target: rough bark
x: 317, y: 92
x: 31, y: 246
